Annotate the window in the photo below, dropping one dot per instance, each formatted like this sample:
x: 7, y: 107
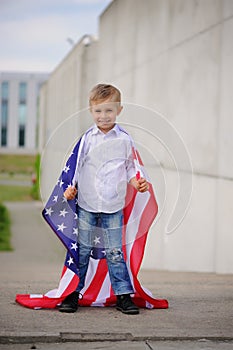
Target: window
x: 22, y: 93
x: 5, y: 87
x: 4, y: 112
x: 21, y: 136
x: 22, y: 113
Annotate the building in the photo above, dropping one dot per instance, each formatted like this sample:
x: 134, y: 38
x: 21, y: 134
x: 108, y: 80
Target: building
x: 174, y: 57
x: 19, y: 111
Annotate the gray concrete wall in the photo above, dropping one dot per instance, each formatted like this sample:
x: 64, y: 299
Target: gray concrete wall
x: 63, y: 109
x: 175, y: 57
x: 172, y: 58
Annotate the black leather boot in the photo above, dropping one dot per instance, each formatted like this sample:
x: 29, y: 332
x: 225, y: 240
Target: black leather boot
x: 70, y: 303
x: 125, y: 305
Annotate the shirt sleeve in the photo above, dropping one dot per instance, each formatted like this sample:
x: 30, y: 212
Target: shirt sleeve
x: 130, y: 166
x: 81, y: 161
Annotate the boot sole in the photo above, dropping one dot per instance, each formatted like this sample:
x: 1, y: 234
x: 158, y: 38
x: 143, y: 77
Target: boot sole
x: 67, y: 310
x: 128, y: 312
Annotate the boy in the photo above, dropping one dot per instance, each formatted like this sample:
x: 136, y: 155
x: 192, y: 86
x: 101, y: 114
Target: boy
x: 102, y: 175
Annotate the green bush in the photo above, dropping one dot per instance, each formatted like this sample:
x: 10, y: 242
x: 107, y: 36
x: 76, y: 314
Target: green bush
x: 5, y: 233
x: 35, y: 191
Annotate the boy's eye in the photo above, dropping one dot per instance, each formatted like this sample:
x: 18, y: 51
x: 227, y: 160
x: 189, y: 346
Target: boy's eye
x: 109, y: 110
x: 97, y: 111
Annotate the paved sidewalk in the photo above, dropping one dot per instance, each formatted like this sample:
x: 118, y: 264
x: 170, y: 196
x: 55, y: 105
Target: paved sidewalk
x: 200, y: 314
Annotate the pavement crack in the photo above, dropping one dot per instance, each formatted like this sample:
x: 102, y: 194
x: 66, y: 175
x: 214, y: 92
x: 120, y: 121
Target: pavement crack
x: 148, y: 344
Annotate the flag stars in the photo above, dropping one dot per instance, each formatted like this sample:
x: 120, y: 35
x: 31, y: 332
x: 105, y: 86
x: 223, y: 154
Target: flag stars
x: 75, y: 231
x: 61, y: 227
x: 96, y: 240
x: 66, y: 169
x: 70, y: 261
x: 48, y: 211
x: 61, y: 183
x: 74, y: 246
x: 55, y: 198
x: 63, y: 212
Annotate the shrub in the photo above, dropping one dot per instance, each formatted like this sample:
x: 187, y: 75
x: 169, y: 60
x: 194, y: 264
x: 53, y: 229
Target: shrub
x: 5, y: 233
x: 35, y: 191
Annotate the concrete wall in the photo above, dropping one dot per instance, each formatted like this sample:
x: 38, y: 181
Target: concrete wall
x: 63, y: 109
x: 172, y: 58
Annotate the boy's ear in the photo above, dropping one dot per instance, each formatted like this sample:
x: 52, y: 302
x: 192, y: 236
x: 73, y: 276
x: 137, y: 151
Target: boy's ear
x: 119, y: 110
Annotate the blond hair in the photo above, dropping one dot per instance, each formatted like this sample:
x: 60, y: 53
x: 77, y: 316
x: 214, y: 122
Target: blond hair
x: 102, y: 92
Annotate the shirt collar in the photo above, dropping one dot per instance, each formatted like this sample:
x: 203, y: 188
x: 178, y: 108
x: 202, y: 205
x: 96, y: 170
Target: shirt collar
x: 96, y: 130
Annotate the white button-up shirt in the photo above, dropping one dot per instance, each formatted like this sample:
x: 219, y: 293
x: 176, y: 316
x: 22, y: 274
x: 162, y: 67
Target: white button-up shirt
x: 106, y: 165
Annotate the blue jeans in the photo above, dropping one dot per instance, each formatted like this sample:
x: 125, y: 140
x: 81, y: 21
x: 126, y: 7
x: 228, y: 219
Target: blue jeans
x: 89, y: 227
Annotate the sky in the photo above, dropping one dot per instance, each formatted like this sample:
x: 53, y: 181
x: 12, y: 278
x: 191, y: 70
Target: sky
x: 34, y: 33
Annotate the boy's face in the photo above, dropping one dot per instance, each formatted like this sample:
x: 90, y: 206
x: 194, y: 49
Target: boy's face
x: 104, y: 114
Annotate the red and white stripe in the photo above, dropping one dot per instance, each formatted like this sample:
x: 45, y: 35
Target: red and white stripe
x: 139, y: 213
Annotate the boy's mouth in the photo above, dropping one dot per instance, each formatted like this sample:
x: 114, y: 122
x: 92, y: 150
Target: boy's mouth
x: 104, y: 121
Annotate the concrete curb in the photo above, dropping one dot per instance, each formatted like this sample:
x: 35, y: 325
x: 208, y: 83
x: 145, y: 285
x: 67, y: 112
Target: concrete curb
x: 29, y: 337
x: 39, y: 337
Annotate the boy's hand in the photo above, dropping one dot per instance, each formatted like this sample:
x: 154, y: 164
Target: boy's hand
x: 141, y: 184
x: 70, y: 193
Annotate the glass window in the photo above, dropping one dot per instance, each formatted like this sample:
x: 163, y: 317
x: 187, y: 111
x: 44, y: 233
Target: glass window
x: 22, y: 135
x: 22, y: 93
x: 4, y: 136
x: 5, y: 87
x: 22, y: 114
x: 4, y: 112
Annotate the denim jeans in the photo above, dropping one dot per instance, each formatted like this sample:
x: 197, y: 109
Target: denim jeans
x: 89, y: 224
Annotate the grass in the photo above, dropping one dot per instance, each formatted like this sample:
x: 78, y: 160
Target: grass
x: 5, y: 233
x: 10, y: 193
x: 17, y: 164
x: 16, y: 167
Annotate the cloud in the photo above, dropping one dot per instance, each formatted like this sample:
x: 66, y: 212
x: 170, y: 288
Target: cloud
x: 11, y: 9
x: 38, y: 38
x: 36, y: 32
x: 39, y: 31
x: 18, y: 64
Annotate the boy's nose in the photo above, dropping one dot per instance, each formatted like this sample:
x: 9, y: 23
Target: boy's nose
x: 104, y: 115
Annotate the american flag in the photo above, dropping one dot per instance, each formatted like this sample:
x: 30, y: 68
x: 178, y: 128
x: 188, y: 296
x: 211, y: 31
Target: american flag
x: 139, y: 212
